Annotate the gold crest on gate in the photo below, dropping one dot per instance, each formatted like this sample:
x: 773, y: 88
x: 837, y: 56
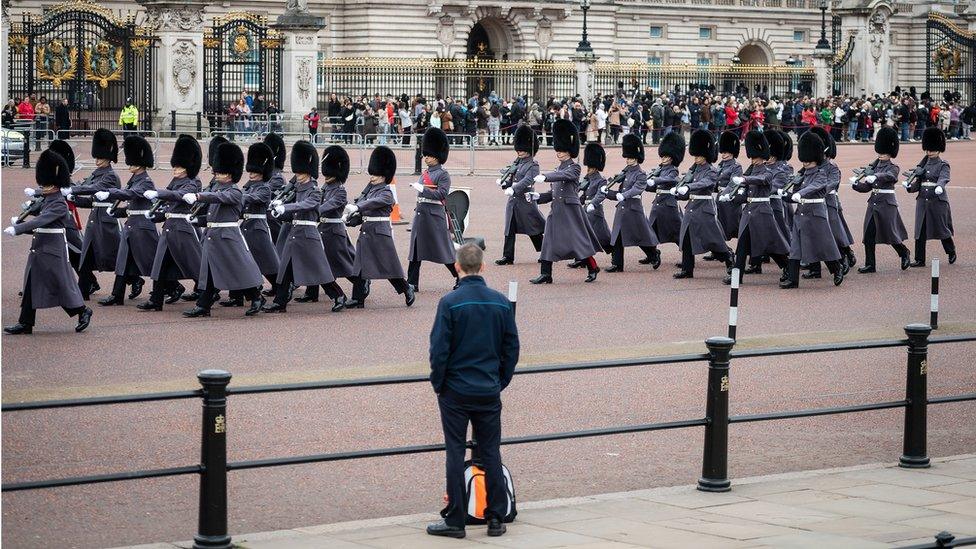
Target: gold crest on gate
x: 56, y: 62
x: 947, y: 61
x: 103, y: 63
x: 241, y: 42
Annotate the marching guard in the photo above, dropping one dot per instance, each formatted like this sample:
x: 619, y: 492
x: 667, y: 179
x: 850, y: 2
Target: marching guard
x: 759, y: 233
x: 835, y: 213
x: 780, y: 172
x: 630, y: 227
x: 430, y: 235
x: 178, y: 251
x: 49, y: 280
x: 595, y: 160
x: 302, y: 261
x: 277, y: 181
x: 811, y: 240
x: 137, y: 248
x: 728, y: 212
x: 933, y: 218
x: 100, y: 243
x: 700, y: 231
x: 376, y: 255
x: 568, y: 235
x: 665, y: 216
x: 882, y: 222
x: 225, y: 263
x: 72, y: 229
x: 522, y: 216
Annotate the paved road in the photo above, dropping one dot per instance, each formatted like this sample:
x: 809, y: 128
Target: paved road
x: 636, y: 313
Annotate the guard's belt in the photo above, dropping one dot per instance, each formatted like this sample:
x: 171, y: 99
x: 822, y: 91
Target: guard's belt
x: 811, y: 201
x: 137, y: 212
x: 255, y: 216
x: 101, y: 204
x: 758, y: 199
x: 930, y: 184
x: 661, y: 191
x: 422, y: 200
x: 331, y: 220
x: 49, y: 230
x: 699, y: 197
x: 305, y: 222
x: 365, y: 218
x: 883, y: 191
x: 226, y: 225
x: 177, y: 216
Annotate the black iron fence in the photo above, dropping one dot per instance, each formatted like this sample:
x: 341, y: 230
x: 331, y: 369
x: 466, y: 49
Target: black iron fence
x: 739, y: 79
x: 213, y: 468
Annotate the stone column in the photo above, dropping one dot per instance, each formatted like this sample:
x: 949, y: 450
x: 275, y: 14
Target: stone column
x: 871, y: 59
x: 4, y: 37
x: 179, y: 74
x: 299, y: 60
x: 823, y: 72
x: 585, y: 78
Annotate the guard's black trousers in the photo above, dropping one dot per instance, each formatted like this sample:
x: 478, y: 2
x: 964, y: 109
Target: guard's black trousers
x: 688, y: 257
x: 793, y: 269
x: 272, y: 279
x: 210, y: 295
x: 947, y: 244
x: 742, y: 248
x: 313, y: 291
x: 359, y: 287
x: 485, y: 415
x: 870, y: 241
x: 118, y: 287
x: 617, y: 252
x: 169, y: 276
x: 282, y: 290
x: 28, y: 313
x: 413, y: 273
x: 508, y: 249
x: 86, y: 274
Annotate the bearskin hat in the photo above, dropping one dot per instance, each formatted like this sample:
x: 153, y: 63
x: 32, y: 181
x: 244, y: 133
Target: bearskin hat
x: 277, y: 145
x: 260, y: 159
x: 887, y: 141
x: 632, y: 147
x: 187, y: 154
x: 830, y: 147
x: 335, y: 163
x: 383, y: 163
x: 756, y: 145
x: 787, y: 146
x: 672, y: 146
x: 305, y: 159
x: 230, y: 160
x: 811, y: 148
x: 933, y: 139
x: 64, y: 149
x: 776, y: 143
x: 138, y: 152
x: 594, y: 156
x: 526, y: 140
x: 565, y: 138
x: 728, y: 142
x: 52, y: 169
x: 215, y: 142
x: 701, y: 144
x: 105, y: 145
x: 434, y: 143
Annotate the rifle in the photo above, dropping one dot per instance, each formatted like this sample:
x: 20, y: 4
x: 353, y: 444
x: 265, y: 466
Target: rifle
x: 30, y: 207
x: 356, y: 218
x: 914, y: 176
x: 795, y: 180
x: 286, y: 194
x: 861, y: 173
x: 508, y: 172
x: 154, y: 214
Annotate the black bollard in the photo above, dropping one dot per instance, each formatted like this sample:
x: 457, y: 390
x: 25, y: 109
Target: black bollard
x: 212, y: 521
x: 513, y: 294
x: 199, y: 125
x: 914, y: 451
x: 715, y: 456
x: 172, y: 123
x: 934, y: 299
x: 734, y: 304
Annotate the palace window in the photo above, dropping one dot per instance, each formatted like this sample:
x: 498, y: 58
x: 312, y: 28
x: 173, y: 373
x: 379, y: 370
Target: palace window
x: 654, y: 72
x: 799, y: 36
x: 656, y: 32
x: 705, y: 33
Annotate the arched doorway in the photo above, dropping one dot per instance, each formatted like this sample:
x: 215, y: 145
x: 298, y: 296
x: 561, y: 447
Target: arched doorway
x: 754, y: 54
x: 488, y: 45
x: 479, y: 43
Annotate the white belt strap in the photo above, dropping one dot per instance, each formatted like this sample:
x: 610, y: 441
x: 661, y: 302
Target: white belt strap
x: 368, y: 218
x: 883, y: 191
x: 337, y: 220
x: 177, y: 216
x: 138, y: 212
x: 811, y: 201
x: 758, y: 199
x: 929, y: 184
x: 255, y: 216
x: 226, y: 225
x: 699, y: 197
x: 422, y: 200
x: 49, y: 231
x: 775, y: 197
x: 661, y: 191
x: 101, y: 204
x: 305, y: 222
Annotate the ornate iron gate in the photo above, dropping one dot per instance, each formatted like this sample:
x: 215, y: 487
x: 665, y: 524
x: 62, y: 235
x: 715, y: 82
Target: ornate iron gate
x: 951, y: 63
x: 86, y: 54
x: 240, y: 53
x: 843, y: 77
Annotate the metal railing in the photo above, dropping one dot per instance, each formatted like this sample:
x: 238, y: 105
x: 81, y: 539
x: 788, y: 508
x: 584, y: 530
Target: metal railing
x: 213, y: 468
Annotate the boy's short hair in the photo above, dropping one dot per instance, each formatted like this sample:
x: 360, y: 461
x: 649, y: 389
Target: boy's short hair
x: 470, y: 258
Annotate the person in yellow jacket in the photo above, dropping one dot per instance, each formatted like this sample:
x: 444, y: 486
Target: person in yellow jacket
x: 129, y: 116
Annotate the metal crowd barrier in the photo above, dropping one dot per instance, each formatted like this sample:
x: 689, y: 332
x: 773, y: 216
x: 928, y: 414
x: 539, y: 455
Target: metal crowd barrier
x: 213, y: 468
x: 80, y: 141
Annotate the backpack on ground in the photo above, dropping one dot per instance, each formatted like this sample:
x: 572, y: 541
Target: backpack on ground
x: 476, y: 494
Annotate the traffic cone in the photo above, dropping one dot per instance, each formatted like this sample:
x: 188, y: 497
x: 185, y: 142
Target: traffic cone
x: 395, y: 217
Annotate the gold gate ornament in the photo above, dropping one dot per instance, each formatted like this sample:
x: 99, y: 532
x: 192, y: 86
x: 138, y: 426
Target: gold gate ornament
x: 55, y: 62
x: 241, y: 42
x: 103, y: 63
x: 947, y: 61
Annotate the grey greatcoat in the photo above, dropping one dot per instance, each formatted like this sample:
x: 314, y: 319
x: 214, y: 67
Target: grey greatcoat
x: 567, y: 234
x: 303, y: 249
x: 178, y: 238
x: 102, y: 232
x: 284, y: 226
x: 338, y: 248
x: 274, y: 225
x: 629, y: 224
x: 665, y: 216
x: 256, y: 226
x: 811, y: 240
x: 780, y: 172
x: 139, y: 236
x: 728, y: 213
x: 835, y: 213
x: 596, y: 218
x: 225, y: 256
x: 930, y: 208
x: 787, y: 206
x: 430, y: 236
x: 699, y: 222
x: 883, y: 205
x: 522, y: 216
x: 52, y: 280
x: 376, y: 255
x: 766, y: 236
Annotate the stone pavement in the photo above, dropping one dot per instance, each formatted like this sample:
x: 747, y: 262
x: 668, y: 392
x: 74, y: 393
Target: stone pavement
x: 878, y: 505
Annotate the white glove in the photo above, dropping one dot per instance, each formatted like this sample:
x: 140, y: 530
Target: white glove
x: 853, y: 179
x: 351, y: 208
x: 741, y: 191
x: 65, y: 191
x: 539, y: 178
x: 498, y: 182
x: 724, y: 198
x: 870, y: 178
x: 275, y: 203
x: 417, y: 186
x: 673, y: 191
x: 190, y: 198
x: 939, y: 190
x: 278, y: 210
x: 738, y: 180
x: 781, y: 192
x: 796, y: 197
x: 683, y: 189
x: 651, y: 183
x: 151, y: 195
x: 101, y: 195
x: 10, y: 231
x: 509, y: 191
x: 618, y: 197
x: 147, y: 215
x: 70, y: 197
x: 904, y: 184
x: 590, y: 208
x: 13, y: 220
x: 30, y: 191
x: 531, y: 197
x: 193, y: 220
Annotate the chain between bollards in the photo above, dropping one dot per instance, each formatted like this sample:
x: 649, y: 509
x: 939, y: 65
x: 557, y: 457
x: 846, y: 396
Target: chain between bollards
x: 916, y: 395
x: 212, y: 520
x: 715, y: 456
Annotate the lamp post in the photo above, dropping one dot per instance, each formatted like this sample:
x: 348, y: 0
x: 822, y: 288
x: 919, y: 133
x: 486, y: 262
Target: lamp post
x: 823, y: 44
x: 584, y: 44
